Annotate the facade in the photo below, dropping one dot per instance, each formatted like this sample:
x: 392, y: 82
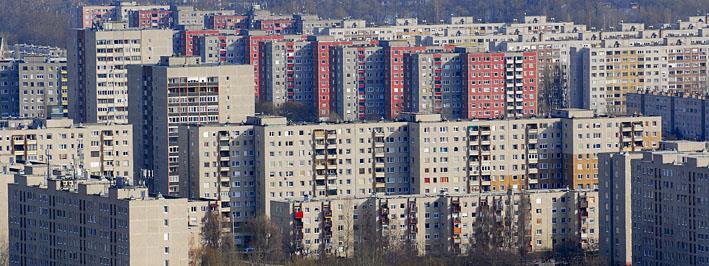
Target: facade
x: 607, y: 73
x: 662, y: 216
x: 472, y: 85
x: 64, y: 220
x: 153, y: 18
x: 97, y: 65
x: 422, y: 154
x: 668, y: 218
x: 586, y: 138
x: 97, y: 149
x: 178, y: 91
x: 541, y: 220
x: 287, y: 72
x: 33, y: 86
x: 43, y: 87
x: 684, y: 115
x: 616, y: 191
x: 9, y: 83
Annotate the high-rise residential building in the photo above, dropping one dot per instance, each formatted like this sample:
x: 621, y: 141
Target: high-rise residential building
x: 540, y: 220
x: 358, y: 75
x: 33, y: 86
x: 97, y: 65
x: 57, y: 218
x: 422, y: 154
x: 9, y: 83
x: 43, y: 87
x: 97, y: 149
x: 179, y: 91
x: 152, y: 18
x: 684, y: 115
x: 467, y: 84
x: 663, y: 219
x: 94, y: 16
x: 585, y: 138
x: 5, y: 179
x: 188, y: 16
x: 287, y: 72
x: 615, y: 192
x: 603, y: 75
x: 227, y: 22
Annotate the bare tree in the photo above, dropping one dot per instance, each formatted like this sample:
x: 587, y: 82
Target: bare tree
x: 4, y: 254
x: 267, y: 241
x: 490, y: 240
x: 217, y: 243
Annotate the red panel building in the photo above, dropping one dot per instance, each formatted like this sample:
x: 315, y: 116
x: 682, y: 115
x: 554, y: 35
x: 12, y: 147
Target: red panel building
x: 276, y: 26
x: 484, y: 79
x: 186, y: 40
x: 228, y: 22
x: 501, y: 85
x: 155, y: 18
x: 253, y: 50
x: 323, y: 93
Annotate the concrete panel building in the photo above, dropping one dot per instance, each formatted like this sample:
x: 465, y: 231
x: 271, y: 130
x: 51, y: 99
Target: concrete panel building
x: 97, y: 64
x: 684, y: 115
x: 98, y: 149
x: 589, y: 135
x: 9, y: 83
x: 616, y: 192
x: 179, y: 91
x: 661, y: 220
x: 604, y: 75
x: 43, y: 87
x: 422, y: 154
x: 59, y: 219
x: 541, y: 220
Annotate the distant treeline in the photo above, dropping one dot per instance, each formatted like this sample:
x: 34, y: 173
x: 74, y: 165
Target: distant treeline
x: 46, y: 21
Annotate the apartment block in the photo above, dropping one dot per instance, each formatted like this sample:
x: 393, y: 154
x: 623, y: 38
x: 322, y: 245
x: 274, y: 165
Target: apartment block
x: 57, y: 218
x: 227, y: 22
x: 190, y: 17
x: 228, y: 48
x: 9, y: 83
x: 179, y: 91
x: 607, y: 73
x: 97, y: 65
x: 541, y: 220
x: 97, y: 149
x: 43, y: 87
x: 421, y: 154
x: 684, y: 115
x: 94, y: 16
x: 666, y: 216
x: 153, y: 18
x: 472, y: 85
x: 359, y: 79
x: 616, y: 195
x: 287, y: 72
x: 588, y: 135
x: 493, y: 155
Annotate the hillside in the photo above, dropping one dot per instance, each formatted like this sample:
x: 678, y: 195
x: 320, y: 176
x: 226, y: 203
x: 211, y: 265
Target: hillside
x: 46, y: 21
